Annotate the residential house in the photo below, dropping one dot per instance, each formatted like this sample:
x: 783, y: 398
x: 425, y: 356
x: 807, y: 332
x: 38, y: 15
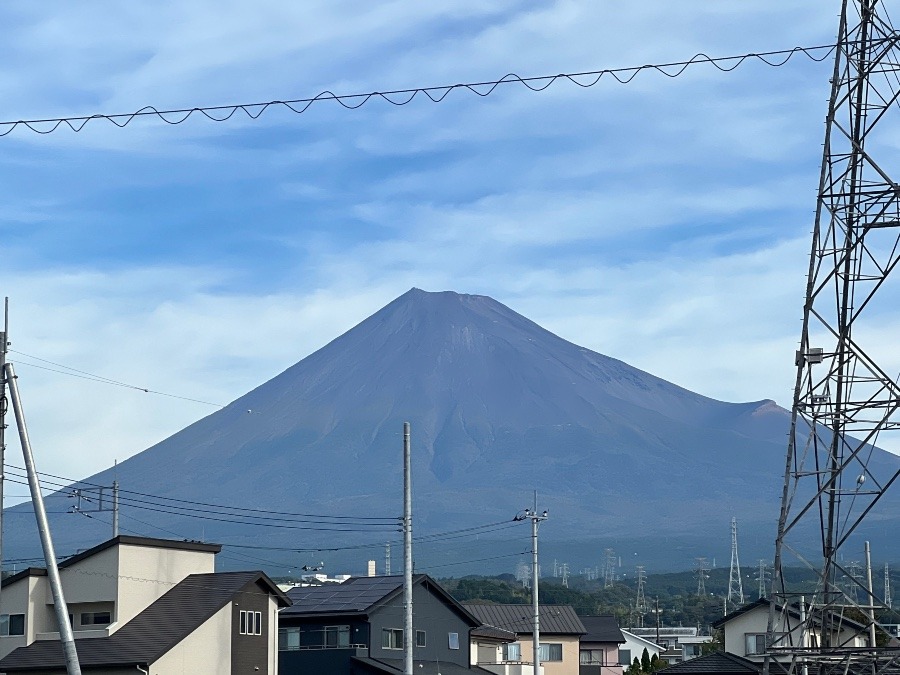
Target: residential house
x: 634, y: 646
x: 561, y: 632
x: 356, y: 628
x: 143, y: 604
x: 599, y: 648
x: 722, y: 663
x: 745, y: 630
x: 680, y: 643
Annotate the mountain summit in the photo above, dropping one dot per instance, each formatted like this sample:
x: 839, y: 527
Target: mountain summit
x: 499, y: 407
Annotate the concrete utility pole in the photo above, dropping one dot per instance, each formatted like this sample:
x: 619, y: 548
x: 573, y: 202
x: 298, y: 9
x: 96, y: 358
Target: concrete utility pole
x: 536, y: 519
x: 407, y: 555
x: 37, y: 499
x: 4, y: 346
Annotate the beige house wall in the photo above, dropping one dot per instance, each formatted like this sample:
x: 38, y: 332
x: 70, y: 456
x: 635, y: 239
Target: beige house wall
x: 146, y: 573
x: 206, y: 651
x: 570, y: 648
x: 25, y: 596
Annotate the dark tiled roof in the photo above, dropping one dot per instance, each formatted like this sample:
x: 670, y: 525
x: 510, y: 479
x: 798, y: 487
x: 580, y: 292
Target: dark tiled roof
x: 555, y: 619
x: 721, y: 662
x: 153, y: 632
x: 394, y: 666
x: 364, y: 595
x: 603, y: 628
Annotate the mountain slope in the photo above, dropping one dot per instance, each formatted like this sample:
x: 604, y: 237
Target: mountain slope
x: 499, y: 407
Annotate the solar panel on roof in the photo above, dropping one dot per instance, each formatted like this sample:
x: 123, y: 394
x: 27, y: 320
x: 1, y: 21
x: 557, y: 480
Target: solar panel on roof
x: 354, y: 595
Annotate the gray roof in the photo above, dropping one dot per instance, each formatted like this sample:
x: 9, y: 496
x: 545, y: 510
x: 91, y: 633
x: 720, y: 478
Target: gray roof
x: 362, y: 596
x: 602, y: 628
x: 153, y: 632
x: 721, y: 662
x: 493, y: 633
x: 555, y: 619
x: 356, y: 595
x: 393, y: 666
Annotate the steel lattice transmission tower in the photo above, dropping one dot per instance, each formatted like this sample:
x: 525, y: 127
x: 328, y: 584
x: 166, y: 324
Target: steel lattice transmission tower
x: 888, y: 601
x: 735, y: 584
x: 640, y: 602
x: 702, y: 576
x: 609, y: 568
x: 844, y: 401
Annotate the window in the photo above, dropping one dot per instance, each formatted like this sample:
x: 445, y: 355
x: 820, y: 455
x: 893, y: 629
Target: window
x: 624, y: 657
x: 420, y: 638
x: 551, y: 651
x: 591, y: 657
x: 755, y: 643
x: 453, y: 640
x: 337, y: 636
x: 96, y: 618
x: 288, y: 639
x: 251, y: 622
x: 512, y: 652
x: 12, y: 624
x: 392, y: 638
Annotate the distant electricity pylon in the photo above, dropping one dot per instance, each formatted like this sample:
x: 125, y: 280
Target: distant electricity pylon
x: 735, y: 584
x: 887, y: 587
x: 640, y: 602
x: 609, y: 568
x: 564, y: 573
x: 762, y: 576
x: 702, y: 576
x: 844, y: 402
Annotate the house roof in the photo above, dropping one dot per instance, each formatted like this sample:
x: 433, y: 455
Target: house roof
x: 721, y: 662
x: 793, y: 609
x: 555, y: 619
x: 602, y: 628
x: 24, y: 574
x: 394, y: 666
x: 363, y: 596
x: 493, y: 633
x: 122, y: 539
x: 637, y: 638
x: 153, y: 632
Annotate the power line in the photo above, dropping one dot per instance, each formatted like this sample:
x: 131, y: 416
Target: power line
x: 384, y: 520
x: 84, y: 375
x: 401, y: 97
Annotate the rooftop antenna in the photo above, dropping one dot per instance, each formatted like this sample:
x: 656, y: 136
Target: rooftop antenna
x: 735, y: 596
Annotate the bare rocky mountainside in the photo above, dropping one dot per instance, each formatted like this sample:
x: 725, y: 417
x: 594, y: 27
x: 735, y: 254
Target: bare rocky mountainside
x: 499, y: 407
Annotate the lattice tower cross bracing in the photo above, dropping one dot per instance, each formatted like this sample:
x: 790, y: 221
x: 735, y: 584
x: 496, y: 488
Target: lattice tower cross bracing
x: 735, y: 597
x: 845, y: 403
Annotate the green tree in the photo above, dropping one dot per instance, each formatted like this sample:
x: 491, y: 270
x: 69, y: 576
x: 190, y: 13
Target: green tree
x: 645, y: 661
x: 656, y: 663
x: 635, y: 667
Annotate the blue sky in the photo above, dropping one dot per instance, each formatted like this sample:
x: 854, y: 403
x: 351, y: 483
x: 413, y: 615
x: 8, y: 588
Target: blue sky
x: 665, y: 222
